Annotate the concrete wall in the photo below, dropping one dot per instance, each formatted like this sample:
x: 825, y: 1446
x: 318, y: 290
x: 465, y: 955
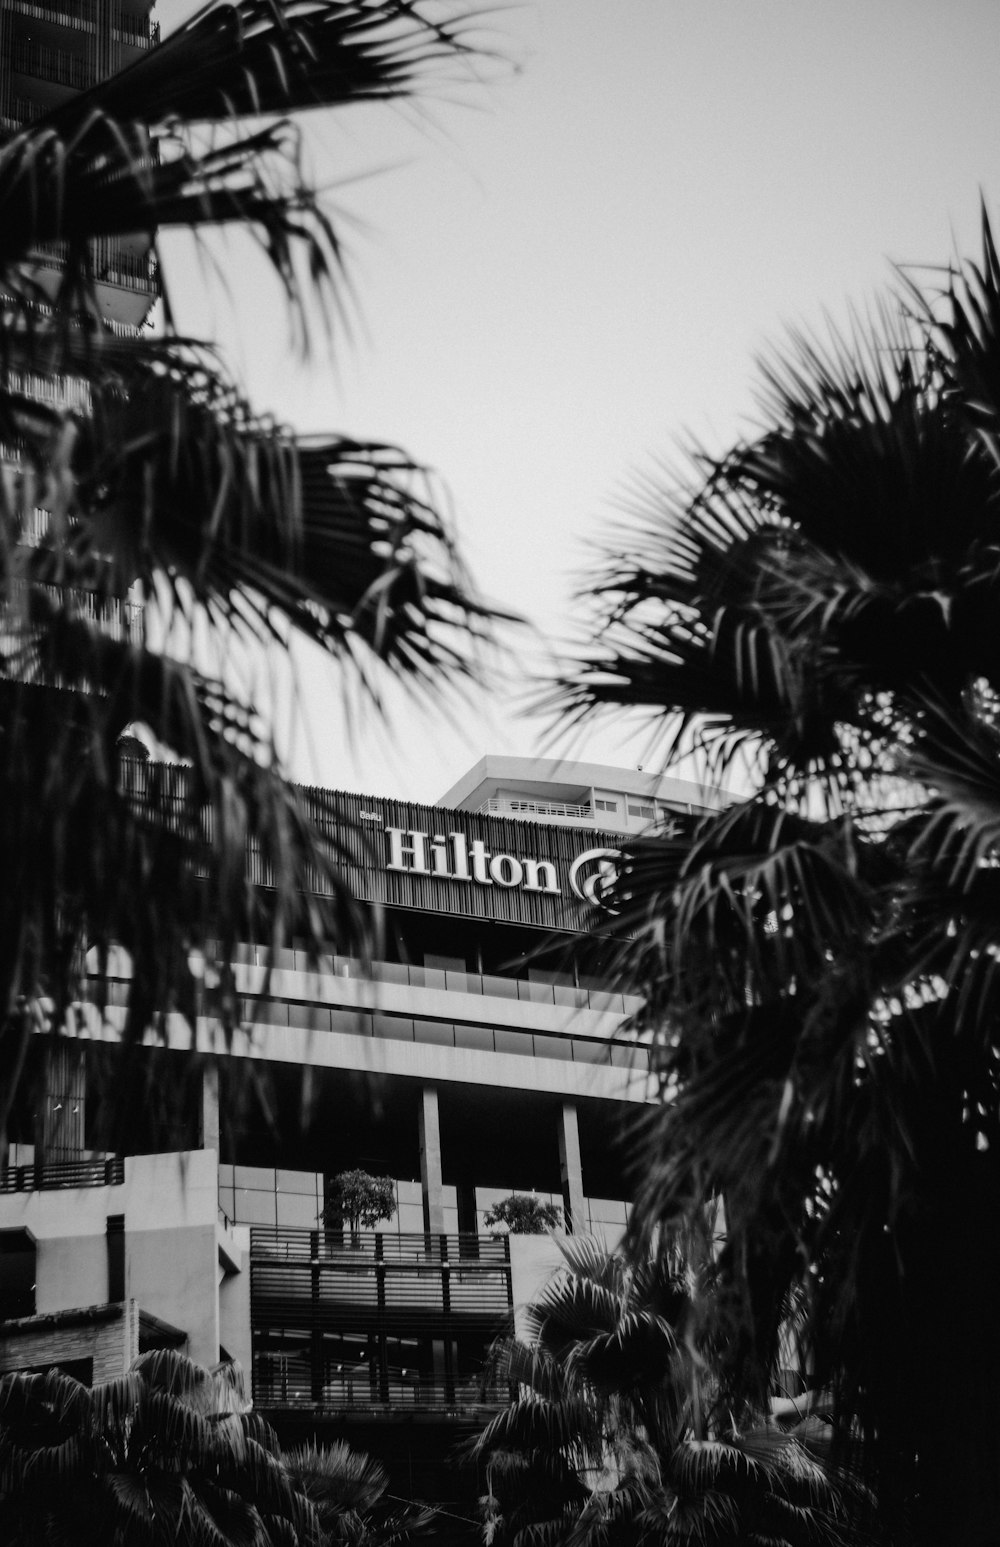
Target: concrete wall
x: 234, y: 1296
x: 533, y: 1260
x: 170, y: 1204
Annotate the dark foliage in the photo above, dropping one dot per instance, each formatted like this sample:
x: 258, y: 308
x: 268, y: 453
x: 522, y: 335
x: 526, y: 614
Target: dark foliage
x: 145, y: 508
x: 821, y: 959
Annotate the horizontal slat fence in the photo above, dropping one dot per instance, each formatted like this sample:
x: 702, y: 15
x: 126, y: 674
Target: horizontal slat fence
x: 330, y: 1312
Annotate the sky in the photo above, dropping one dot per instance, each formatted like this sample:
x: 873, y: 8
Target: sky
x: 564, y: 269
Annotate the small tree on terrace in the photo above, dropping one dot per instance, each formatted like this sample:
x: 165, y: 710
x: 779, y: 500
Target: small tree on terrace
x: 359, y: 1201
x: 524, y: 1214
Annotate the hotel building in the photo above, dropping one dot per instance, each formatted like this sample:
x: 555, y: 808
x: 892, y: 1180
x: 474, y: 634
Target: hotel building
x: 484, y: 1052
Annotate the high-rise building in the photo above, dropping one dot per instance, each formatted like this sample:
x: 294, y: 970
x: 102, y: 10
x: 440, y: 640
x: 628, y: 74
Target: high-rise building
x: 50, y: 49
x: 485, y: 1052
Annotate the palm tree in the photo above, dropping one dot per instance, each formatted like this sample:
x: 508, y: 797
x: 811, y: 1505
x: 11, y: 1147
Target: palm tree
x: 171, y: 1452
x: 821, y: 959
x: 348, y: 1491
x: 144, y: 474
x: 611, y: 1437
x: 165, y: 1453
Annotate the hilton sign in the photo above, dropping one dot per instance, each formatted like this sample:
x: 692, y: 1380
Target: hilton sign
x: 452, y: 857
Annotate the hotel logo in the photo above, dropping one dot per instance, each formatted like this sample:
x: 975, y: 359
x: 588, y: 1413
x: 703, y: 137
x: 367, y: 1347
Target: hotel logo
x: 454, y: 857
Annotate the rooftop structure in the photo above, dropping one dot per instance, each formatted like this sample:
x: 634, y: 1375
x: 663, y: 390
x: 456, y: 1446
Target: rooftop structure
x: 619, y: 800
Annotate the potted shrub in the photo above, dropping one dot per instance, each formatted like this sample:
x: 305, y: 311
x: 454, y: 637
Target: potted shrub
x: 523, y: 1214
x: 358, y: 1201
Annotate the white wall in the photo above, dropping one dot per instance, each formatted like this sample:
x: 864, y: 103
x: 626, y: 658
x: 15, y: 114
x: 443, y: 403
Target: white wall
x: 170, y: 1204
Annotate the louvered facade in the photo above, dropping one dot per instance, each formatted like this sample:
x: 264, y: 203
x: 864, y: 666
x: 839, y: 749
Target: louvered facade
x: 50, y: 49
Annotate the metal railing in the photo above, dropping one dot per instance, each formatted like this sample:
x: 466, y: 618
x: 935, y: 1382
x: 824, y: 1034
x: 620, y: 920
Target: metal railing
x: 60, y: 391
x: 70, y: 1173
x: 585, y: 995
x: 518, y: 807
x: 82, y: 15
x: 112, y: 263
x: 51, y: 64
x: 282, y: 1381
x: 349, y: 1249
x: 335, y: 1314
x: 137, y: 31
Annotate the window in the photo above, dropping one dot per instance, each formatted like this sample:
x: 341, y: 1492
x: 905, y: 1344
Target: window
x: 512, y: 1041
x: 17, y: 1274
x: 396, y: 1028
x: 606, y: 805
x: 646, y: 812
x: 480, y: 1037
x: 115, y: 1235
x: 440, y: 1032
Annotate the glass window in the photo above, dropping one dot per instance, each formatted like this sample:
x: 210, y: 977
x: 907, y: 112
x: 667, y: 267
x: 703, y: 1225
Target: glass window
x: 587, y: 1052
x: 297, y: 1211
x: 267, y: 1012
x: 474, y: 1036
x: 536, y: 993
x: 606, y: 999
x: 394, y: 1028
x: 353, y: 1022
x: 626, y: 1055
x: 502, y: 988
x: 552, y: 1047
x: 512, y: 1041
x: 440, y: 1032
x: 313, y: 1017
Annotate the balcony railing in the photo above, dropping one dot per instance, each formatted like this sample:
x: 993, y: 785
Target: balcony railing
x: 373, y: 1320
x: 51, y: 64
x: 81, y: 15
x: 61, y: 392
x: 280, y: 1381
x: 341, y: 1247
x: 528, y: 808
x: 585, y: 995
x: 71, y: 1173
x: 112, y: 264
x: 136, y: 31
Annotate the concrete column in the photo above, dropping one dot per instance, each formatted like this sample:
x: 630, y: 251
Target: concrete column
x: 430, y: 1161
x: 209, y: 1116
x: 571, y: 1170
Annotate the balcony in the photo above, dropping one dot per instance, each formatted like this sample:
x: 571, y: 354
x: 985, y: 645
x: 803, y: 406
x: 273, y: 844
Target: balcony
x: 375, y: 1321
x: 46, y: 63
x: 510, y: 806
x: 588, y: 994
x: 79, y: 15
x: 75, y: 1173
x: 280, y: 1382
x: 136, y: 31
x: 111, y: 263
x: 82, y: 16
